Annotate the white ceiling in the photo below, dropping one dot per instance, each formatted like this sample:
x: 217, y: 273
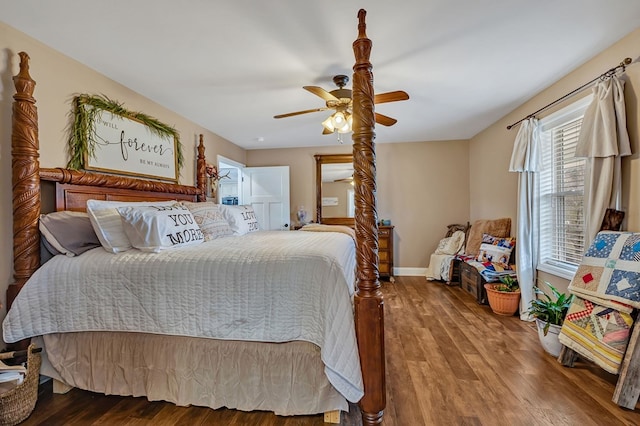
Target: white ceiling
x: 232, y: 65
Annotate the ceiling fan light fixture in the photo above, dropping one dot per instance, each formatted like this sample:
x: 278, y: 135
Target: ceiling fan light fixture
x: 328, y: 124
x: 338, y: 122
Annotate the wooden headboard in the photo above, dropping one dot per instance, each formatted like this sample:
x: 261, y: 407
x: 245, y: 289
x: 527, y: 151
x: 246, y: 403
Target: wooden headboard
x: 74, y: 197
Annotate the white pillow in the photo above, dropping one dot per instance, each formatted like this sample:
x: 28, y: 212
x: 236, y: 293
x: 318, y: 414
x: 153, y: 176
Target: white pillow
x: 154, y: 228
x: 107, y: 224
x: 452, y: 244
x: 242, y: 219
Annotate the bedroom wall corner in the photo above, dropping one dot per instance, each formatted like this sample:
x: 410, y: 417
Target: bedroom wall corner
x: 422, y: 188
x: 494, y: 189
x: 491, y: 148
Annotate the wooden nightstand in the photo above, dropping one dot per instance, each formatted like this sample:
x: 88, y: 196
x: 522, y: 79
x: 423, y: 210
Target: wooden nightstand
x: 385, y: 252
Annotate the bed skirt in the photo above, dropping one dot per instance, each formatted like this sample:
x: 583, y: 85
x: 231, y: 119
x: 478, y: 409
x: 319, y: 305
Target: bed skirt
x: 285, y: 378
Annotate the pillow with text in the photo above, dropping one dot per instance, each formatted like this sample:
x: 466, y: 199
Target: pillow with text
x: 154, y: 228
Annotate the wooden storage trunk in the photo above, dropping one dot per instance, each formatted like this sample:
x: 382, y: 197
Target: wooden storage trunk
x: 472, y: 282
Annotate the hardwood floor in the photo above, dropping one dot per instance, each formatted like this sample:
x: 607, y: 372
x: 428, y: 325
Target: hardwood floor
x: 450, y: 361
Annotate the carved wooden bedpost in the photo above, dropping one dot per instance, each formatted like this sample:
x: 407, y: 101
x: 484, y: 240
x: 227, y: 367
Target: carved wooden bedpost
x: 369, y: 305
x: 25, y: 180
x: 201, y: 172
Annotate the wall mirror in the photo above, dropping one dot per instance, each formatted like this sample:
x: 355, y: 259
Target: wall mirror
x: 334, y: 189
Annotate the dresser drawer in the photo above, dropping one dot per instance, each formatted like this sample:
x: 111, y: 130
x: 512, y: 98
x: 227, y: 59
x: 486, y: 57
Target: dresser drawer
x: 385, y: 251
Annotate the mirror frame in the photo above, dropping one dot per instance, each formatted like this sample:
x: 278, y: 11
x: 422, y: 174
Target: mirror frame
x: 329, y: 159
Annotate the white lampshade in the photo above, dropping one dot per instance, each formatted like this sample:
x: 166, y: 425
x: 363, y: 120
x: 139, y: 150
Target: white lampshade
x: 338, y: 122
x: 328, y: 124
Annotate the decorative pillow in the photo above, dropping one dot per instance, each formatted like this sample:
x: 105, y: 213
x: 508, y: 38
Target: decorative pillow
x: 242, y: 219
x: 495, y: 249
x: 452, y: 244
x: 153, y: 228
x: 209, y: 218
x: 107, y: 224
x: 68, y: 233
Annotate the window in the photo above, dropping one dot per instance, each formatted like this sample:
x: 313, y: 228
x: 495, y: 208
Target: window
x: 562, y: 192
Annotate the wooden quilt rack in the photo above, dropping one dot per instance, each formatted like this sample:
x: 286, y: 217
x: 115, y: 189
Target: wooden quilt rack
x: 627, y: 388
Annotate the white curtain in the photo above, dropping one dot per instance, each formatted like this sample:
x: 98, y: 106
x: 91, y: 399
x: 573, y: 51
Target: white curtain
x: 603, y: 140
x: 526, y: 160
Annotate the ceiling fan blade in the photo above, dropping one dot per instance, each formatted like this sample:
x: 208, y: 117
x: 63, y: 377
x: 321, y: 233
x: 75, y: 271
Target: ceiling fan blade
x: 326, y: 131
x: 398, y: 95
x: 384, y: 120
x: 319, y: 91
x: 291, y: 114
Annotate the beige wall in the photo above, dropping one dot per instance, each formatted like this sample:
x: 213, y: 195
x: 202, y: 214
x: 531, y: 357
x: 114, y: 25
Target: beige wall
x: 490, y: 150
x: 422, y: 188
x: 58, y: 78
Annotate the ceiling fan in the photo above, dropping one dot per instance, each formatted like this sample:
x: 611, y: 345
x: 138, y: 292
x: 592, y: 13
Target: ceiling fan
x: 341, y: 101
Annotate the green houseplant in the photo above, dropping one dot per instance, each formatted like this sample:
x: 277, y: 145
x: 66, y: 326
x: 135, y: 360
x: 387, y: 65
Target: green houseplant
x: 549, y: 313
x: 504, y: 297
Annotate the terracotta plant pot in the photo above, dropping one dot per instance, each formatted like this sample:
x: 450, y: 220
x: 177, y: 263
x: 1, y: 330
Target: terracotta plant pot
x: 502, y: 302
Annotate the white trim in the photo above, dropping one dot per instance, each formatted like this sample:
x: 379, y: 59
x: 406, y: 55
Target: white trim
x: 557, y: 271
x: 566, y: 114
x: 227, y: 162
x: 223, y: 159
x: 409, y: 272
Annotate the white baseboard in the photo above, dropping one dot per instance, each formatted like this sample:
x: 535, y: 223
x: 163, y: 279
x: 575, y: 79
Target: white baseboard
x: 409, y: 272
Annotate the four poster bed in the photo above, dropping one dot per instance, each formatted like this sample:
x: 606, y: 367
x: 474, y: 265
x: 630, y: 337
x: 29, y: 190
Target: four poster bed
x: 307, y: 375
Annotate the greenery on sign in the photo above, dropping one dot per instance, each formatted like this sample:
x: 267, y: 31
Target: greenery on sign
x: 549, y: 310
x: 86, y: 108
x: 508, y: 284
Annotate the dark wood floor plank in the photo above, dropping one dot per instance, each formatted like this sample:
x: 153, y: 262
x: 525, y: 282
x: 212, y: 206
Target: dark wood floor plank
x: 449, y: 361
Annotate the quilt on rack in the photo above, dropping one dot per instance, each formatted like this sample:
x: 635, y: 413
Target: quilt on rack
x: 598, y: 333
x: 607, y: 288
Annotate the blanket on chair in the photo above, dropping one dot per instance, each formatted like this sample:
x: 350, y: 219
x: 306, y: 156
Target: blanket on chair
x: 606, y: 288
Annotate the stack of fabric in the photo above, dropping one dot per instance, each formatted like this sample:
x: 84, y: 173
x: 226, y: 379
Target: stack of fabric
x: 607, y: 289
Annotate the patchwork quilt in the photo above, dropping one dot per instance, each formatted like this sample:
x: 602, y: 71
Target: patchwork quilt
x: 607, y: 289
x: 598, y: 333
x: 610, y: 271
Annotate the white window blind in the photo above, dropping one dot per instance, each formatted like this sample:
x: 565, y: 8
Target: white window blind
x: 562, y: 191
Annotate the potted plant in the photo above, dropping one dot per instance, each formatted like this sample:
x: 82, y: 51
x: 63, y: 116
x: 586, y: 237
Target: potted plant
x: 549, y: 314
x: 504, y: 297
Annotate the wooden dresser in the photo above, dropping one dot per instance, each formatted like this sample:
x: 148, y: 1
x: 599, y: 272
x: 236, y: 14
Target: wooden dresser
x: 385, y: 251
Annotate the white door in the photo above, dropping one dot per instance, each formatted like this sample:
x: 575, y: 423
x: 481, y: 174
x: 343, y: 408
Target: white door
x: 267, y: 190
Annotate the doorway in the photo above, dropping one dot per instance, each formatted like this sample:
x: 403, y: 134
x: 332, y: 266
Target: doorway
x: 230, y: 189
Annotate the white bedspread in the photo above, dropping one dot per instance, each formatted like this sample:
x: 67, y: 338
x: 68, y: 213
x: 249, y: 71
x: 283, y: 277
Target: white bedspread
x: 264, y: 286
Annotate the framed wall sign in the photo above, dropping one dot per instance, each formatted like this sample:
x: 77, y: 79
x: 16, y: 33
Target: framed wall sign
x: 107, y: 138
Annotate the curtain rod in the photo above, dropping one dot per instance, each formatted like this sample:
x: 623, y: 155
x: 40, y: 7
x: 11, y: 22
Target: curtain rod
x: 609, y: 73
